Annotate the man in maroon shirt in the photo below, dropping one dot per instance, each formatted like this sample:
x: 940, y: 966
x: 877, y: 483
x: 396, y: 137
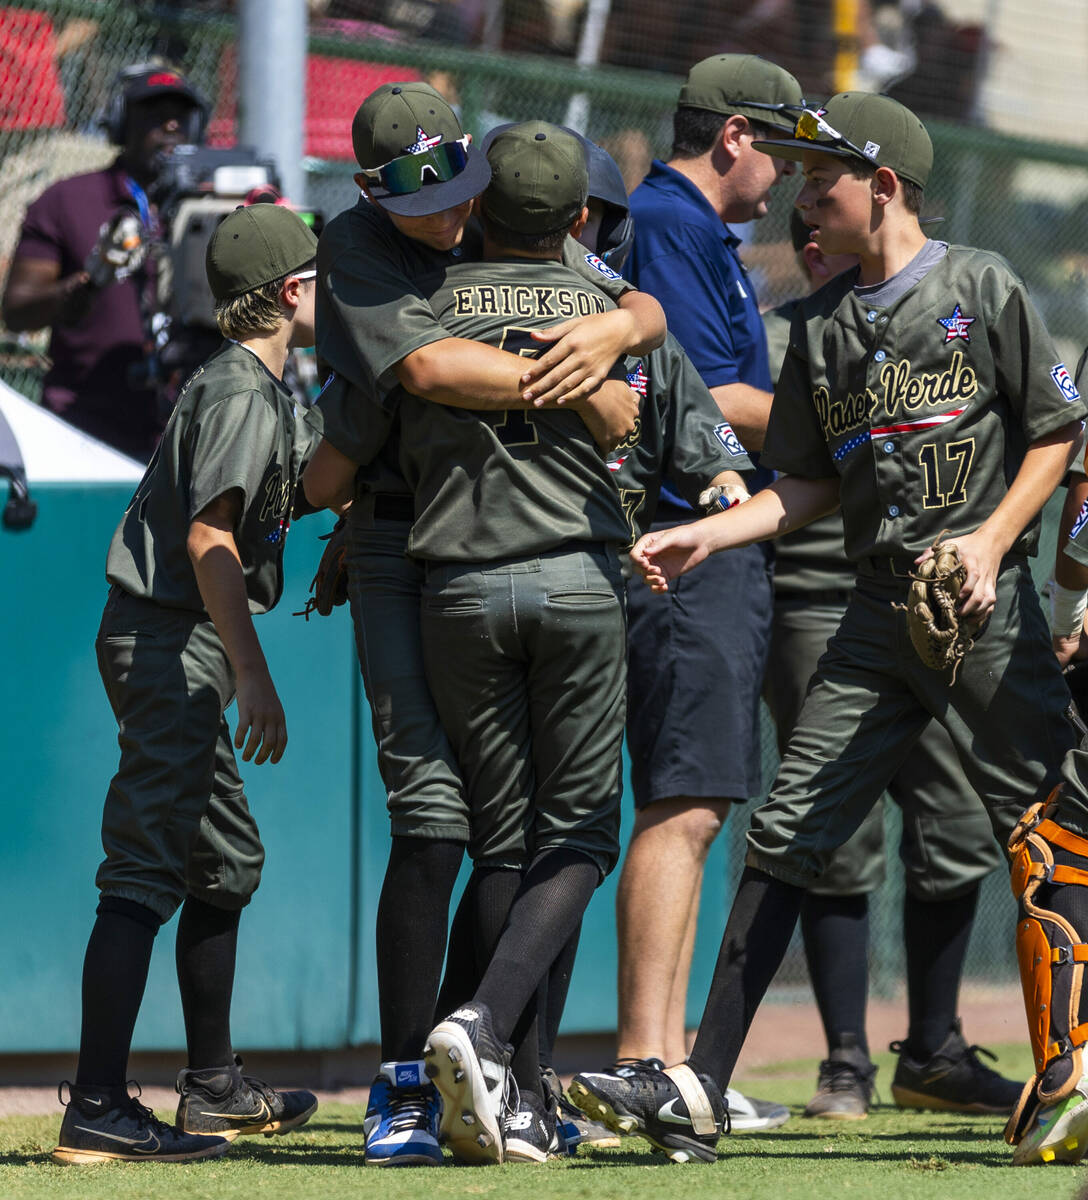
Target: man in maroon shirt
x: 101, y: 326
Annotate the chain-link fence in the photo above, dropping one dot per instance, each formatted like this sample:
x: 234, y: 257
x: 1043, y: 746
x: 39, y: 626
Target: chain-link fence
x: 962, y: 66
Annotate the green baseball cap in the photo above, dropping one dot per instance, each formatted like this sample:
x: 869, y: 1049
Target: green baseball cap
x: 538, y: 178
x: 254, y: 245
x: 744, y: 85
x: 413, y: 151
x: 863, y: 126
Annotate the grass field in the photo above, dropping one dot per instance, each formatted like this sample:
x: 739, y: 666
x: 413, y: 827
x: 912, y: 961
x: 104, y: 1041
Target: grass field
x: 891, y: 1154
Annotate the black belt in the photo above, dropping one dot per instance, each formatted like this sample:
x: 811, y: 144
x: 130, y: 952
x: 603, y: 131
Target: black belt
x: 393, y: 507
x: 814, y: 596
x: 902, y: 566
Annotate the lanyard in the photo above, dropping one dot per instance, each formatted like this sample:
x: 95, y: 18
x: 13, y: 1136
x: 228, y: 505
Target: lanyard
x: 143, y: 205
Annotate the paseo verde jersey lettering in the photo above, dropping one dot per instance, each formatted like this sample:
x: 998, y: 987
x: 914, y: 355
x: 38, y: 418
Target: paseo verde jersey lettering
x: 492, y: 485
x: 925, y: 407
x: 233, y: 426
x: 680, y: 435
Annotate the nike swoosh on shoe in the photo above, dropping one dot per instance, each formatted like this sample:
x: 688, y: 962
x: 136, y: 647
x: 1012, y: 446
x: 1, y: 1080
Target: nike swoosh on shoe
x: 149, y: 1144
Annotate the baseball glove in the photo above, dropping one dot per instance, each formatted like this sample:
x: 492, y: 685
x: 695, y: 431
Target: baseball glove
x: 940, y: 636
x: 329, y: 587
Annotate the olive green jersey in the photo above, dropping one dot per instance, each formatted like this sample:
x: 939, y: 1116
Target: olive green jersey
x: 493, y: 485
x: 373, y: 288
x: 680, y: 434
x: 373, y: 307
x: 923, y: 408
x: 810, y: 559
x: 233, y: 426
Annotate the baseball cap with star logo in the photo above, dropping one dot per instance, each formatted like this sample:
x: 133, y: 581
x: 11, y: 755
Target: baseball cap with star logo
x: 864, y: 126
x: 411, y: 149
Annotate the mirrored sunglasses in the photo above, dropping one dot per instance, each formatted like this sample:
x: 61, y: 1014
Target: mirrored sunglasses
x: 811, y: 127
x: 406, y: 174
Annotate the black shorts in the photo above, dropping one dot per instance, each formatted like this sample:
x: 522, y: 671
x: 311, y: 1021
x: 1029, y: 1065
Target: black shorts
x: 695, y: 662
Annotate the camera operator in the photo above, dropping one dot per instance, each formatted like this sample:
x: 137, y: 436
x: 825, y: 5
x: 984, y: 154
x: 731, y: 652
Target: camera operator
x: 86, y: 266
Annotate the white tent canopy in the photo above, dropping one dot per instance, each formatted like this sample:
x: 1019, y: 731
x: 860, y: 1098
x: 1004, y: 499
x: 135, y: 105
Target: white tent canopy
x: 56, y: 452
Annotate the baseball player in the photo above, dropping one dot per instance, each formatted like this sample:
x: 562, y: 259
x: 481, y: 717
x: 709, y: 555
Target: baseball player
x: 923, y: 392
x: 947, y: 847
x: 523, y: 627
x: 376, y: 328
x: 199, y: 549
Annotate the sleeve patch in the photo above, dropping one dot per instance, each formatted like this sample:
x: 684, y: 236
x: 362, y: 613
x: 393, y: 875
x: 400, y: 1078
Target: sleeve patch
x: 1064, y: 382
x: 729, y: 440
x: 598, y: 264
x: 1079, y: 523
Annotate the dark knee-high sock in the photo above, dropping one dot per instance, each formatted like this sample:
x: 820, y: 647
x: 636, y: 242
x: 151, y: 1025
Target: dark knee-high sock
x: 760, y: 924
x: 547, y: 909
x: 553, y: 996
x: 413, y: 911
x: 836, y: 934
x: 206, y: 950
x: 935, y: 934
x: 114, y: 977
x: 462, y: 973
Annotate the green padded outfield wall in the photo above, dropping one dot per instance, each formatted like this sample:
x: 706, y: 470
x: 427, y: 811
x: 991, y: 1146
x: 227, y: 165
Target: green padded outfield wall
x: 305, y: 972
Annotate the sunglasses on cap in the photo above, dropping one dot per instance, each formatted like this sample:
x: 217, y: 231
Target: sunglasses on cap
x: 810, y: 125
x: 406, y: 173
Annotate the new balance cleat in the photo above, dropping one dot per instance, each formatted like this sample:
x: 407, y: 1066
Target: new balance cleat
x: 952, y: 1080
x: 223, y: 1101
x: 109, y: 1125
x: 1059, y: 1133
x: 529, y: 1131
x: 470, y: 1068
x: 402, y: 1115
x: 575, y: 1128
x: 676, y: 1111
x: 845, y: 1085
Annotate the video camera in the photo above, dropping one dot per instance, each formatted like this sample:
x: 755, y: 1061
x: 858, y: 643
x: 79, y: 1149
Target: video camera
x: 196, y: 189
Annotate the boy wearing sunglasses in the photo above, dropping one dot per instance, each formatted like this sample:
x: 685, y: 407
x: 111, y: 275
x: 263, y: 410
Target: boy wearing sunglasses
x: 378, y: 263
x: 921, y: 392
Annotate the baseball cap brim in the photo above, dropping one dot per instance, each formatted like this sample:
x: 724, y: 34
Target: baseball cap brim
x: 795, y: 150
x: 435, y: 197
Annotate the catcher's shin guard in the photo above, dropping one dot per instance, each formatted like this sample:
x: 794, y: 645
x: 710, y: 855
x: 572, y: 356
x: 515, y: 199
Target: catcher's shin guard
x: 1049, y: 866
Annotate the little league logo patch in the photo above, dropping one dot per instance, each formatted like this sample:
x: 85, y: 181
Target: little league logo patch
x: 956, y: 326
x: 615, y: 464
x: 598, y: 264
x: 729, y: 440
x: 422, y: 142
x: 637, y: 380
x: 1060, y: 375
x: 1079, y: 523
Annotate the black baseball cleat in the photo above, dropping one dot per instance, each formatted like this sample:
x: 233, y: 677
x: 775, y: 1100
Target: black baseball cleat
x: 952, y: 1079
x: 675, y: 1110
x: 471, y: 1069
x: 529, y: 1131
x: 223, y: 1101
x: 575, y: 1128
x: 844, y: 1089
x: 103, y: 1124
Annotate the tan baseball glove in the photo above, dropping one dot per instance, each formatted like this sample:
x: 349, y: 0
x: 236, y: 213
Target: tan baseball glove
x: 940, y: 635
x: 329, y: 587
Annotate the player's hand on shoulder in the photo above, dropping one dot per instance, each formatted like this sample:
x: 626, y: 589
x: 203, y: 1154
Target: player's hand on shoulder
x: 583, y: 353
x: 262, y: 726
x: 668, y: 554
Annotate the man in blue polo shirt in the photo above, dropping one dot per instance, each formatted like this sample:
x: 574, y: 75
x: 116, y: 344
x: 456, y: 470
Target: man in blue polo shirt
x: 696, y: 654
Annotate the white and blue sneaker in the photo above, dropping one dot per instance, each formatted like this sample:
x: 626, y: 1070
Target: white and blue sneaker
x: 401, y: 1122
